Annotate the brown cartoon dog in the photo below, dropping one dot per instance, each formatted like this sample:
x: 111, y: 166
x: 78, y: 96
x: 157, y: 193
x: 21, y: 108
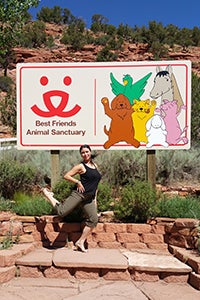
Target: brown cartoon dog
x: 121, y: 126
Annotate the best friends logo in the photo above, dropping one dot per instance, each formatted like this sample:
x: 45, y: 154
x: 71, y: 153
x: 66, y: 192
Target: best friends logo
x: 52, y: 110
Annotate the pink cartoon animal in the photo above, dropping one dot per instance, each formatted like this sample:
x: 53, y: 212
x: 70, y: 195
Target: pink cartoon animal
x: 168, y: 112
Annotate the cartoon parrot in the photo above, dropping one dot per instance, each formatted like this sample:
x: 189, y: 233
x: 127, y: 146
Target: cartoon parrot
x: 129, y: 89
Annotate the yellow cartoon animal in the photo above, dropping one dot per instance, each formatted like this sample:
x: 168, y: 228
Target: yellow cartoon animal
x: 143, y: 111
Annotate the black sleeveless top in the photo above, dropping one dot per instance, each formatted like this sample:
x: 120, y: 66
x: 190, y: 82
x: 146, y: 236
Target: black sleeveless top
x: 90, y: 180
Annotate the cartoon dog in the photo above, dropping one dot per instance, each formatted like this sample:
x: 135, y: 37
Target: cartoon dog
x: 156, y: 132
x: 121, y: 126
x: 143, y: 111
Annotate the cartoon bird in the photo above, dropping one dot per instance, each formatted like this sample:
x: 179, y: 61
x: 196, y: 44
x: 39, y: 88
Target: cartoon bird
x: 129, y: 89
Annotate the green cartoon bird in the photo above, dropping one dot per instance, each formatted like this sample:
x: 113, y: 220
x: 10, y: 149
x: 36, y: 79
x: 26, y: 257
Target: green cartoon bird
x: 129, y: 89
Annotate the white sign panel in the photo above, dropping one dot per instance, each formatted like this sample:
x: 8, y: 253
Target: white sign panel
x: 129, y: 105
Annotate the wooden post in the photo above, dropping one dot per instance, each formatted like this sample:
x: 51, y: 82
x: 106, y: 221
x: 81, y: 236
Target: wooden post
x: 151, y: 167
x: 55, y: 166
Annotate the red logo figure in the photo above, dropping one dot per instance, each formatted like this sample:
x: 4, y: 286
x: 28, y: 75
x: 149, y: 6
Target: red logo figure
x: 52, y: 110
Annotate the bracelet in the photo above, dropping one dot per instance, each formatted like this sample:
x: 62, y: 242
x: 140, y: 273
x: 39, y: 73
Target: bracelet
x: 78, y: 182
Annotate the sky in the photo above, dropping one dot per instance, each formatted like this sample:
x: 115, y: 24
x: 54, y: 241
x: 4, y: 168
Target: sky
x: 181, y: 13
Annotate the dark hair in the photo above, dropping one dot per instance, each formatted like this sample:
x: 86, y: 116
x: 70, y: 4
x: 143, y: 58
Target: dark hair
x: 84, y: 146
x: 87, y: 146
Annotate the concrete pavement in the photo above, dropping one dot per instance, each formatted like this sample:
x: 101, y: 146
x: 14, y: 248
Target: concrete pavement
x: 99, y: 289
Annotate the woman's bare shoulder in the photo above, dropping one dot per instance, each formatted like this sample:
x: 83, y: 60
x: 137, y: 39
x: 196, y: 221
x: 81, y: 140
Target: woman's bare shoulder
x: 80, y: 167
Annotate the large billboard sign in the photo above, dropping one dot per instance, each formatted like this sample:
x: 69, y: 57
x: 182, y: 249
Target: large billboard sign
x: 116, y: 105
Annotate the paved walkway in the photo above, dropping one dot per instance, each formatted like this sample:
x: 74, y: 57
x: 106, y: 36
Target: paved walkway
x: 100, y: 289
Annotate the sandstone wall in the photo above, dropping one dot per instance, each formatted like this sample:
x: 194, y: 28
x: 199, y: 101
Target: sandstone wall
x: 51, y: 231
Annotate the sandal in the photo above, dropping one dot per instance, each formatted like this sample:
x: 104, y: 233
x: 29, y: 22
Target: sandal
x: 80, y: 246
x: 49, y: 196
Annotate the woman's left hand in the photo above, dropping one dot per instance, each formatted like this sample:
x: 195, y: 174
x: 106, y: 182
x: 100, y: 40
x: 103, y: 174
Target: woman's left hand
x: 80, y: 187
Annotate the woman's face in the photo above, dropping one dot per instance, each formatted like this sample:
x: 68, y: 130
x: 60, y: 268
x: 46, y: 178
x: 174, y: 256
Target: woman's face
x: 85, y: 154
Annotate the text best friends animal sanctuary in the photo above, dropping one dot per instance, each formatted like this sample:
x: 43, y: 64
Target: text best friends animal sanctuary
x: 59, y: 128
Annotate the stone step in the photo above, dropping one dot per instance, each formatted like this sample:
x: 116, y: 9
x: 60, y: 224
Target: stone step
x: 7, y: 273
x: 111, y: 264
x: 151, y: 266
x: 8, y: 258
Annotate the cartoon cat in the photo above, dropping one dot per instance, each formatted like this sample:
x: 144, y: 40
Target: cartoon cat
x: 143, y: 111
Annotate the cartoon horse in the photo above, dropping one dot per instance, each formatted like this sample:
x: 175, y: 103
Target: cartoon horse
x: 165, y: 86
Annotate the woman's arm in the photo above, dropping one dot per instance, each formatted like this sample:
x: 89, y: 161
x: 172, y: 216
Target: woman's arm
x: 78, y: 169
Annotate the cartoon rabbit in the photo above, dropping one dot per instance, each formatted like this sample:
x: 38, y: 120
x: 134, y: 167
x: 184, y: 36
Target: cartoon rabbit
x: 156, y: 133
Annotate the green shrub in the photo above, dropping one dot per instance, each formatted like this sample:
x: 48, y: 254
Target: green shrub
x: 39, y: 160
x: 8, y: 112
x: 109, y: 41
x: 105, y: 54
x: 115, y: 44
x: 33, y: 35
x: 6, y: 84
x: 137, y: 202
x: 179, y: 207
x: 102, y: 40
x: 6, y: 205
x: 62, y: 189
x: 15, y: 176
x: 74, y: 35
x: 178, y: 166
x: 104, y: 197
x: 31, y: 205
x: 7, y: 242
x: 126, y: 166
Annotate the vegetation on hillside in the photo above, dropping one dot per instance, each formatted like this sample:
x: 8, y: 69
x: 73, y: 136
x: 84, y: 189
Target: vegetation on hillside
x: 13, y: 16
x: 15, y: 31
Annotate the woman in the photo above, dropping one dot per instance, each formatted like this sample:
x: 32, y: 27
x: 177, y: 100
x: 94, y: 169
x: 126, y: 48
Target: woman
x: 85, y: 193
